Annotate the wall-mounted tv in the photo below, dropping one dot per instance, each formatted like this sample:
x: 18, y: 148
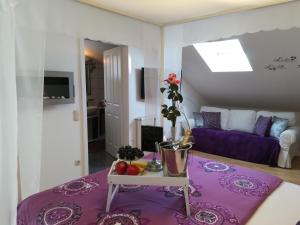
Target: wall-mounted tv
x: 58, y: 87
x: 142, y: 84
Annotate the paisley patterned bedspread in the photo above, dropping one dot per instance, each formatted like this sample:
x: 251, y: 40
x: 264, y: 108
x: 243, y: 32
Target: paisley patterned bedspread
x: 220, y: 194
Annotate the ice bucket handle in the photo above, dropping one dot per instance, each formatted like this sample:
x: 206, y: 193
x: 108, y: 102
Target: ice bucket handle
x: 175, y: 145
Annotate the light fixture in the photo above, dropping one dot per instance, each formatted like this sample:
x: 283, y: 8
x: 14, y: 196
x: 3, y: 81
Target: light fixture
x: 224, y: 56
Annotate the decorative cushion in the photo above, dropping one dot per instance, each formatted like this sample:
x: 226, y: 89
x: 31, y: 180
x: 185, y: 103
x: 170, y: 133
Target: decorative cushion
x: 211, y: 120
x: 279, y: 125
x: 263, y: 125
x: 224, y: 114
x: 242, y: 120
x: 198, y: 118
x: 291, y: 116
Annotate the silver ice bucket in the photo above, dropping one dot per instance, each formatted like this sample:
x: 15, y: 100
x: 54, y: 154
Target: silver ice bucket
x: 174, y: 158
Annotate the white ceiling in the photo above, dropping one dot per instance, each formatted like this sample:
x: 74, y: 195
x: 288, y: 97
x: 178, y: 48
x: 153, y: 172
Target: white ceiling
x: 163, y: 12
x: 263, y: 88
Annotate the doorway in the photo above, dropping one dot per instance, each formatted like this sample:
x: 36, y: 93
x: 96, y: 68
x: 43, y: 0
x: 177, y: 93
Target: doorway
x: 103, y: 71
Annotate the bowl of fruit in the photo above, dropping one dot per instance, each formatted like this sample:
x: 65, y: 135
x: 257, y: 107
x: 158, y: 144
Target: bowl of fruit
x: 128, y: 164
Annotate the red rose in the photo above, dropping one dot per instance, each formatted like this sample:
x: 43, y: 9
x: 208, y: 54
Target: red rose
x: 171, y: 79
x: 173, y: 75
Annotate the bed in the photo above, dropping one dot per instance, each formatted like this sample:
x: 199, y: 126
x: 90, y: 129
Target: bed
x: 282, y: 207
x: 220, y: 194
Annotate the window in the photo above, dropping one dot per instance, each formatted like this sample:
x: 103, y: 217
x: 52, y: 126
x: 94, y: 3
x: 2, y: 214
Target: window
x: 224, y: 56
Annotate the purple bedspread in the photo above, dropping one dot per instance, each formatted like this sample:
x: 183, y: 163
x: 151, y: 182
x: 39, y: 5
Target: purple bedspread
x: 220, y: 194
x: 237, y: 145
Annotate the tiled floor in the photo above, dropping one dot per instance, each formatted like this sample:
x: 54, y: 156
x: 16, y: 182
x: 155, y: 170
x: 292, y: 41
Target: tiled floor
x: 99, y: 159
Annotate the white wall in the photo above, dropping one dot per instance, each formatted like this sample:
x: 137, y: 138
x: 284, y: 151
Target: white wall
x: 68, y: 23
x: 61, y: 135
x: 261, y: 88
x: 136, y: 105
x: 281, y: 16
x: 192, y: 100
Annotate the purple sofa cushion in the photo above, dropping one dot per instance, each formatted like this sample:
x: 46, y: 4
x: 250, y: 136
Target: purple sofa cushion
x: 237, y: 145
x: 263, y: 125
x: 211, y: 120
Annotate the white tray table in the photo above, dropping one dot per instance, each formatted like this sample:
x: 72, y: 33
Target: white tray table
x: 149, y: 178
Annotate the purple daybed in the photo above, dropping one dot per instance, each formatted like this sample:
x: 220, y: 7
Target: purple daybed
x: 237, y: 145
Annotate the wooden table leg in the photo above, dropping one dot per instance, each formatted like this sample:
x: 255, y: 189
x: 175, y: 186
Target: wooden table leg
x: 186, y: 198
x: 109, y: 197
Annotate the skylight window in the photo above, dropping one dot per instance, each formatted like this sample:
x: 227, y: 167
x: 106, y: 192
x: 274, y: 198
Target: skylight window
x: 224, y: 56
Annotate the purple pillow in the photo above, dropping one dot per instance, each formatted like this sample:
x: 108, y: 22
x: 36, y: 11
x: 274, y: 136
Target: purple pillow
x: 263, y: 125
x: 211, y: 120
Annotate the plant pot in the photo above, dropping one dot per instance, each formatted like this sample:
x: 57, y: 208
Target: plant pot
x: 173, y: 133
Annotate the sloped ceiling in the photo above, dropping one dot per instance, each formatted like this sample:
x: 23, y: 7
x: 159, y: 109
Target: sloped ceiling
x: 265, y: 87
x: 162, y: 12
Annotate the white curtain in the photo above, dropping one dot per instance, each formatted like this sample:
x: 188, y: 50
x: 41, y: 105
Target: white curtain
x: 22, y: 51
x: 8, y: 116
x: 30, y: 110
x: 30, y: 42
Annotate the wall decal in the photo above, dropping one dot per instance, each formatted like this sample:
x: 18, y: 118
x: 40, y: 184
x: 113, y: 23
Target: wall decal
x: 285, y: 59
x: 275, y: 67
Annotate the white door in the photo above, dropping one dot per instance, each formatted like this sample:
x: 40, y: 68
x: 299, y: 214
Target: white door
x: 113, y: 96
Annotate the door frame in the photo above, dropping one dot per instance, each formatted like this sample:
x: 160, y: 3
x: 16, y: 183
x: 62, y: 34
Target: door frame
x: 124, y: 115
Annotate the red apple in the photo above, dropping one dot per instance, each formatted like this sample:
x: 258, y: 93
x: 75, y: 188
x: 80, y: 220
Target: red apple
x: 133, y: 170
x: 121, y: 167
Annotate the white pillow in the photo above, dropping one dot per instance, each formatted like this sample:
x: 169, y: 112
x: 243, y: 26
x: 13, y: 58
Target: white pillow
x: 242, y: 120
x: 291, y: 116
x: 224, y: 114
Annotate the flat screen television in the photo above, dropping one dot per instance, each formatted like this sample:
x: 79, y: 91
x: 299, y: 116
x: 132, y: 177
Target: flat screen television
x: 58, y: 87
x: 142, y: 84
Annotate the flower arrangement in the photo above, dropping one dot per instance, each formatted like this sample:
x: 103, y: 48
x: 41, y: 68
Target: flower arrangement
x: 172, y: 89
